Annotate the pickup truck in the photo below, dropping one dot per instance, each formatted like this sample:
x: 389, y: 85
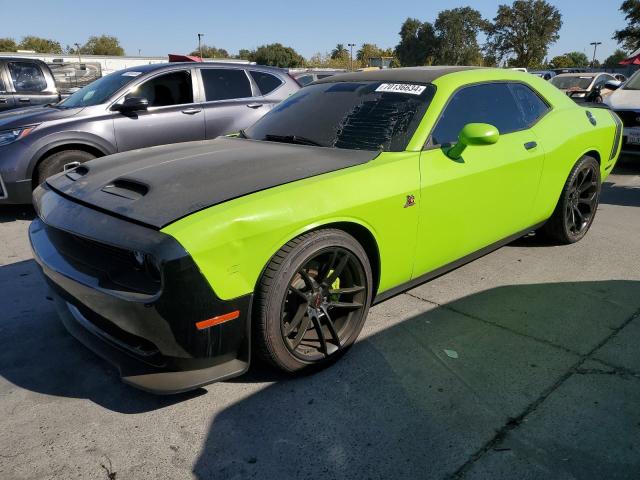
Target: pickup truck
x: 26, y: 82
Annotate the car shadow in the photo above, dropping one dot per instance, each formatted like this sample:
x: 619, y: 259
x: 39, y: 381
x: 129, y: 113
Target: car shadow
x: 418, y: 399
x: 38, y: 354
x: 622, y: 195
x: 11, y: 213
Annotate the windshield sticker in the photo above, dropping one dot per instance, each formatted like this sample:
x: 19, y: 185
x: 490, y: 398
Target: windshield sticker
x: 131, y: 74
x: 401, y: 88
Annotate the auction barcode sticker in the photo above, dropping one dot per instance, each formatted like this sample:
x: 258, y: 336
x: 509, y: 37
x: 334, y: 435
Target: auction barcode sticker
x: 401, y: 88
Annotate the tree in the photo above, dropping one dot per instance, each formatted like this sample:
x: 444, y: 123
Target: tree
x: 523, y: 32
x: 8, y: 45
x: 562, y: 61
x: 615, y: 59
x: 629, y: 36
x: 578, y: 59
x: 278, y: 55
x: 340, y: 53
x: 246, y: 54
x: 367, y: 51
x: 102, y: 45
x: 211, y: 52
x: 457, y: 36
x: 417, y: 43
x: 40, y: 45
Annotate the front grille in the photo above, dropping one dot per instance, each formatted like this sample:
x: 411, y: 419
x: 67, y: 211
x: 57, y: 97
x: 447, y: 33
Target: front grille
x: 630, y: 118
x: 112, y: 267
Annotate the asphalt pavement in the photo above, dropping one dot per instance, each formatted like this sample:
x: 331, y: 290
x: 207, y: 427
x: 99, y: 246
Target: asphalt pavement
x: 523, y: 364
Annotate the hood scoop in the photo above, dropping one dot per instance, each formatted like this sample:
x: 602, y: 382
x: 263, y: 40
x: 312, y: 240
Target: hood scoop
x: 124, y: 188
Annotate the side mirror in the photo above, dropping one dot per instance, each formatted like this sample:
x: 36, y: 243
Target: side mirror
x: 132, y: 104
x: 473, y: 134
x: 613, y: 84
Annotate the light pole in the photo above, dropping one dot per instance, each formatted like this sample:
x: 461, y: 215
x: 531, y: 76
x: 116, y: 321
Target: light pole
x: 595, y: 48
x: 351, y: 45
x: 77, y: 45
x: 200, y: 35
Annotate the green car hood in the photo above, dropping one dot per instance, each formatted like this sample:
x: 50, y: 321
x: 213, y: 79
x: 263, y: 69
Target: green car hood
x: 156, y: 186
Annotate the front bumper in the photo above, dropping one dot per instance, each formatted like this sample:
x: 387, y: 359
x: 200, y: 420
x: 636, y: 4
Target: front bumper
x: 141, y: 320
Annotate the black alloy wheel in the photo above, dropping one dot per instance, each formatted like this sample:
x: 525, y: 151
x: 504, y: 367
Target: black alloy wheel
x: 312, y: 300
x: 577, y: 205
x: 582, y: 199
x: 324, y: 304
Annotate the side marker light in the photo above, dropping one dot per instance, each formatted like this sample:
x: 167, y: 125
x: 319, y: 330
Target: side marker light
x: 211, y: 322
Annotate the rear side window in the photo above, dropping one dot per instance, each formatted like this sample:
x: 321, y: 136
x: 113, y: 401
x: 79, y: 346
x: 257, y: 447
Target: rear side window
x: 266, y: 82
x: 225, y: 84
x: 503, y: 105
x: 27, y: 77
x: 531, y: 105
x: 173, y: 88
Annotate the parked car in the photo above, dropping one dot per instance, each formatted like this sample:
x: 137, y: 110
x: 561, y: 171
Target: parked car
x: 560, y: 71
x: 178, y: 263
x: 134, y: 108
x: 25, y: 82
x: 545, y: 74
x: 307, y: 76
x: 625, y: 101
x: 583, y: 87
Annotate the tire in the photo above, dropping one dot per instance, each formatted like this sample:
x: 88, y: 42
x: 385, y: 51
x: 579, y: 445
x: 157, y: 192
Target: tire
x: 577, y: 205
x: 323, y: 274
x: 55, y: 163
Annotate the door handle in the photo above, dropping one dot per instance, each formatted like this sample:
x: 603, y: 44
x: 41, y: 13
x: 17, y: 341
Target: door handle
x: 191, y: 111
x: 254, y: 105
x: 24, y: 100
x: 3, y: 100
x: 530, y: 145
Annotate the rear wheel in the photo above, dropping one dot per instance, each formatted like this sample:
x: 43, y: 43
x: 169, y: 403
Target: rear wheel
x: 60, y: 161
x: 312, y: 300
x: 577, y: 205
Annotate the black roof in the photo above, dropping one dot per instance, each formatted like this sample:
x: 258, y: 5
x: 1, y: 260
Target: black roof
x: 407, y: 74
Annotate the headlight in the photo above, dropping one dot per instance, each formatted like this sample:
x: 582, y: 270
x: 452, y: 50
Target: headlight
x: 10, y: 136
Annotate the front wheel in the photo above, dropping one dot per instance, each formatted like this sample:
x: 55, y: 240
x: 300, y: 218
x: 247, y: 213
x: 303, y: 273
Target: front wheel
x: 312, y: 300
x: 577, y: 205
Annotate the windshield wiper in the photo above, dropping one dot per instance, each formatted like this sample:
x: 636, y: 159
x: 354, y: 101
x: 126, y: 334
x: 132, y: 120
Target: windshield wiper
x: 291, y: 139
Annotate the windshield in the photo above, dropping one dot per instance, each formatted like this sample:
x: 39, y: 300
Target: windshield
x: 99, y: 91
x: 572, y: 83
x: 352, y: 115
x: 633, y: 83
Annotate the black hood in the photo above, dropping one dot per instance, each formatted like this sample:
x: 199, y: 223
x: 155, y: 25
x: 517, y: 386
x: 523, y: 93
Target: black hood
x: 156, y: 186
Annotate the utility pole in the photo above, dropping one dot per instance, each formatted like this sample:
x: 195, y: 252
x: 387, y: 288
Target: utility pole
x: 77, y: 45
x: 351, y: 45
x: 139, y: 52
x: 595, y: 48
x: 200, y: 35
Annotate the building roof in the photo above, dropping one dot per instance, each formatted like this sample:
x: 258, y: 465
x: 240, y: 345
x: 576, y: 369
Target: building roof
x: 407, y: 74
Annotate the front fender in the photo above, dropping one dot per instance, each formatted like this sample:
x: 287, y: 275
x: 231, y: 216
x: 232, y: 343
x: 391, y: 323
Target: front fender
x: 232, y: 242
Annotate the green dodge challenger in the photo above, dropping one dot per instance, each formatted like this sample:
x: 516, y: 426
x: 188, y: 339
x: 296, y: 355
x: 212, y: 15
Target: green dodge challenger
x: 178, y: 263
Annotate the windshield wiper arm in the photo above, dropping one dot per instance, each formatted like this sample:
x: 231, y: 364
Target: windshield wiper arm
x: 291, y: 139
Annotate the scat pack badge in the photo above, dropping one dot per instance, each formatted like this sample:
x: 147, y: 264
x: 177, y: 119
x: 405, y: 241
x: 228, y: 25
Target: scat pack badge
x: 411, y: 201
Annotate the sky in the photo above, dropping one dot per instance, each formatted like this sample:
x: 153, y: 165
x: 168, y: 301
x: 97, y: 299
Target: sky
x: 161, y: 27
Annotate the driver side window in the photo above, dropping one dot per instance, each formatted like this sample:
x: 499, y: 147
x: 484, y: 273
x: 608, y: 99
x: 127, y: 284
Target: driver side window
x: 173, y: 88
x: 502, y: 105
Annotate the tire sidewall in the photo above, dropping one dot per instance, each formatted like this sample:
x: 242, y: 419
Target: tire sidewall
x: 307, y: 249
x: 55, y: 163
